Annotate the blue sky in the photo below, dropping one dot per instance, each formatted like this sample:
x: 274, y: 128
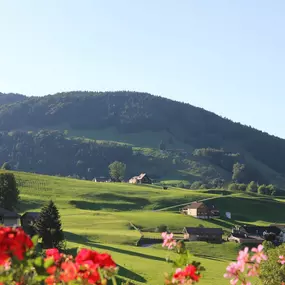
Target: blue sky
x: 225, y: 56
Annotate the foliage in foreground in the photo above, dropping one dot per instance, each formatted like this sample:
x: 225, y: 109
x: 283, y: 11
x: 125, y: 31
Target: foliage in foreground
x: 21, y: 265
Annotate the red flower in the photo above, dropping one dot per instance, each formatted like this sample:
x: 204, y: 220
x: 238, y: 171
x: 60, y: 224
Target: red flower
x: 84, y: 255
x: 69, y: 272
x: 50, y: 280
x: 13, y: 243
x: 89, y: 272
x: 53, y: 252
x: 190, y: 271
x: 104, y: 260
x: 51, y: 270
x: 90, y: 256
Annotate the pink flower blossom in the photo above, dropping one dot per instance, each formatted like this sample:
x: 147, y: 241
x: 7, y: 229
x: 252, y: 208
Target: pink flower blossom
x: 233, y: 271
x: 253, y: 270
x: 281, y: 259
x: 243, y: 259
x: 259, y: 254
x: 168, y: 240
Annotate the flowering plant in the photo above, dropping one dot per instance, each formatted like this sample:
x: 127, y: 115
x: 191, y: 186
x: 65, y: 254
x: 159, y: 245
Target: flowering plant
x: 246, y: 266
x: 20, y: 265
x: 185, y: 270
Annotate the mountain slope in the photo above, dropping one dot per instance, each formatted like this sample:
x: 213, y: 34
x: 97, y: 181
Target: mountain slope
x: 129, y: 113
x: 11, y: 98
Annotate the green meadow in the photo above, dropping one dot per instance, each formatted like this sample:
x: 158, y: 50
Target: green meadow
x: 105, y: 217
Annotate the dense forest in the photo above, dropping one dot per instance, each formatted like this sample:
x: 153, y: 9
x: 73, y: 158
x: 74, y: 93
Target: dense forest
x: 132, y: 112
x: 11, y: 98
x: 53, y: 153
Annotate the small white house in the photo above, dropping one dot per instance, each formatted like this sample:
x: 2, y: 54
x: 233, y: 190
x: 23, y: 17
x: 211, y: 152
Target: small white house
x: 9, y: 218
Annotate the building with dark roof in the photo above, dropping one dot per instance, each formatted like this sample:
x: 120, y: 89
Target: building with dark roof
x: 28, y: 220
x: 9, y: 218
x: 201, y: 211
x: 255, y: 234
x: 203, y: 234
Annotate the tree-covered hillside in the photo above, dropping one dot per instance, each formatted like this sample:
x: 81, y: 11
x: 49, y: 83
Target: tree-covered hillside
x: 11, y: 98
x: 136, y: 113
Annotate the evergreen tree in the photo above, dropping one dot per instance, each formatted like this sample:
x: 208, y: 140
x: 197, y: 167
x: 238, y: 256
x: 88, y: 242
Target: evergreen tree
x: 49, y: 227
x: 9, y: 193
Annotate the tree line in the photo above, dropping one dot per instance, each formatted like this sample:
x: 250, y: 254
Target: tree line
x: 51, y: 152
x: 136, y: 112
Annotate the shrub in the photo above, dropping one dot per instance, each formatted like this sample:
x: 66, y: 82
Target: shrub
x: 273, y: 272
x: 180, y: 185
x: 161, y: 228
x: 252, y: 187
x: 196, y: 185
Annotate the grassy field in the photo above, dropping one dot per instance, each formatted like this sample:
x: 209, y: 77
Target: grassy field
x: 99, y: 215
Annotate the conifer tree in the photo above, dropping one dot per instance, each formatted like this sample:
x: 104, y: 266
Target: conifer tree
x: 9, y: 193
x: 49, y: 227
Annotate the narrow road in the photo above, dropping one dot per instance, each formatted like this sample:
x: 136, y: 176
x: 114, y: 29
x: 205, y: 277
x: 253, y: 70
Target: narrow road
x: 185, y: 204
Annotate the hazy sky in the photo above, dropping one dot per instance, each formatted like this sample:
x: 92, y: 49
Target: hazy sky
x: 225, y: 56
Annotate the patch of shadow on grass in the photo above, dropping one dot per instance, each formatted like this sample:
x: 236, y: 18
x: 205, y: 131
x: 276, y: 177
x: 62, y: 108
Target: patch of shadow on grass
x: 86, y: 205
x: 71, y: 237
x: 124, y: 272
x: 26, y: 205
x: 124, y: 251
x: 226, y: 224
x: 140, y: 202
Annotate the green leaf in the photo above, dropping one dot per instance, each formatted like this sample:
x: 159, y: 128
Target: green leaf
x: 35, y: 240
x: 48, y: 263
x: 39, y: 262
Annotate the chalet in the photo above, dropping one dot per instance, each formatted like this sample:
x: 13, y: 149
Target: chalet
x: 201, y: 211
x: 255, y: 234
x: 9, y: 218
x: 203, y: 234
x: 141, y: 179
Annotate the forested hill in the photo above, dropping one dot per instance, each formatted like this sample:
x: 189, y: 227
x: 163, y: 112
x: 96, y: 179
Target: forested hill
x: 132, y: 112
x: 11, y: 98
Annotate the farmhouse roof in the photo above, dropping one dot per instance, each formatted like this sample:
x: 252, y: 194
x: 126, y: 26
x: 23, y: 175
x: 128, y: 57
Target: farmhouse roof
x: 198, y: 230
x: 280, y: 226
x: 194, y: 205
x: 31, y: 215
x: 139, y: 177
x: 8, y: 214
x: 253, y: 230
